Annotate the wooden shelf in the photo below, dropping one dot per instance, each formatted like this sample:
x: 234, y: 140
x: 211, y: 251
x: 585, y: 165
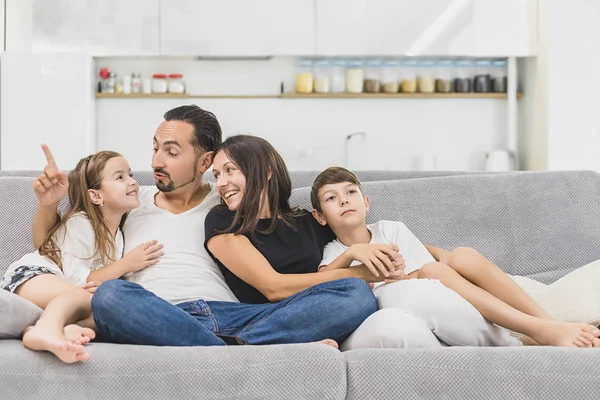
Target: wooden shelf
x: 397, y: 96
x: 311, y: 96
x: 181, y: 96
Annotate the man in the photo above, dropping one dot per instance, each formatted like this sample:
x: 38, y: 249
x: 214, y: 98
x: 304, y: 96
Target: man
x: 183, y: 300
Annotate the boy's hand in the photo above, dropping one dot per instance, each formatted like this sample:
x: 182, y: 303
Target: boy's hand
x: 376, y: 257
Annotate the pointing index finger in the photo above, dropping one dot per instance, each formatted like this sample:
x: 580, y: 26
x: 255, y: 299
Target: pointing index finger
x: 49, y: 156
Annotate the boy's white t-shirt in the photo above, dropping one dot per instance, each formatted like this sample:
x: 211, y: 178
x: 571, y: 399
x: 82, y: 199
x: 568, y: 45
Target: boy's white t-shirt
x: 387, y: 232
x: 186, y: 272
x: 77, y: 247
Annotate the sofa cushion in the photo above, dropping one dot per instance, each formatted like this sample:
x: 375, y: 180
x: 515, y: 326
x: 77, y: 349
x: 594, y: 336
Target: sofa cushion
x: 538, y: 224
x: 473, y: 373
x: 298, y: 371
x: 16, y: 314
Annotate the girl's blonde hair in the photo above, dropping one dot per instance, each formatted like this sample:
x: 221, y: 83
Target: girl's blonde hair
x: 86, y: 175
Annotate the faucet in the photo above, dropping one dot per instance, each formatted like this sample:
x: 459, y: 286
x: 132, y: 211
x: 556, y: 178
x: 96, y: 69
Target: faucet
x: 350, y: 136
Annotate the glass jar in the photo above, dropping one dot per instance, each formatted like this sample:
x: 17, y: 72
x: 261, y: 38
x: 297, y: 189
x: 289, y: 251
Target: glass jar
x: 159, y: 83
x: 354, y: 77
x: 482, y: 83
x: 463, y: 81
x: 389, y: 77
x: 136, y: 83
x: 338, y: 76
x: 304, y: 77
x: 444, y: 79
x: 499, y: 76
x: 408, y: 76
x: 373, y: 77
x: 426, y: 77
x: 111, y: 82
x: 322, y: 74
x: 176, y: 84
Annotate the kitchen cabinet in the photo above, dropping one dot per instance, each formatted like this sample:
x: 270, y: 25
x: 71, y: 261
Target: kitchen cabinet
x: 237, y: 27
x: 426, y: 27
x: 99, y: 27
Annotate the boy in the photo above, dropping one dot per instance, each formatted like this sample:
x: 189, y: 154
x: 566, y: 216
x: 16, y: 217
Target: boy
x: 337, y: 200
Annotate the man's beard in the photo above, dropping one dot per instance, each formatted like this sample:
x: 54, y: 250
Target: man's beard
x: 170, y: 185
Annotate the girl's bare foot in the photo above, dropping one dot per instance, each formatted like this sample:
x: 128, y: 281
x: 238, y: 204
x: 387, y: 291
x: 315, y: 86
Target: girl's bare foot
x: 40, y: 339
x: 566, y: 334
x: 527, y: 341
x: 329, y: 342
x: 78, y: 335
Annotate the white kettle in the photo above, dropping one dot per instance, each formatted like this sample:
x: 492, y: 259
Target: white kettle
x: 499, y: 160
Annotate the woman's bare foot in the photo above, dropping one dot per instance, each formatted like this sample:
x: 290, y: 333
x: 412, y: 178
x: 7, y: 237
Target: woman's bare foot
x: 566, y: 334
x: 328, y: 342
x: 39, y: 339
x: 79, y: 335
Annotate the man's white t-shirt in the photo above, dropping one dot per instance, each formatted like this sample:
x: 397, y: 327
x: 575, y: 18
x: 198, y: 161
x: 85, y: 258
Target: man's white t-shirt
x: 77, y: 249
x: 387, y: 232
x: 186, y: 272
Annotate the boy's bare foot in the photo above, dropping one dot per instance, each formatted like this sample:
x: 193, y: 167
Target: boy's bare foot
x: 39, y: 339
x: 78, y: 335
x: 566, y: 334
x: 329, y: 342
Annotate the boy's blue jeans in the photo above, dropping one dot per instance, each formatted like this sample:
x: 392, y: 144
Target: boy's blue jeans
x: 125, y: 312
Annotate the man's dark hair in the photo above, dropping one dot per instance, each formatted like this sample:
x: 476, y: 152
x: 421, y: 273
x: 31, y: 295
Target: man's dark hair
x: 330, y: 176
x: 207, y: 131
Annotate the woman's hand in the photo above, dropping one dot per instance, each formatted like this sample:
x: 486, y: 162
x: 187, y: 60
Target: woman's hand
x: 365, y: 274
x: 376, y: 257
x: 144, y: 256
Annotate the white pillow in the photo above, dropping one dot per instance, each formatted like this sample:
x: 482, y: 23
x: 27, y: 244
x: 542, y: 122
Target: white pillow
x: 573, y: 298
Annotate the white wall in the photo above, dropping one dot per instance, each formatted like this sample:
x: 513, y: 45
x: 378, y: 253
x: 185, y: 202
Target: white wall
x: 309, y: 133
x: 19, y: 25
x: 573, y: 84
x: 533, y: 108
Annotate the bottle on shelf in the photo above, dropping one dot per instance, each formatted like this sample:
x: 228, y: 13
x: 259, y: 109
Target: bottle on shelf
x: 354, y: 77
x: 305, y: 77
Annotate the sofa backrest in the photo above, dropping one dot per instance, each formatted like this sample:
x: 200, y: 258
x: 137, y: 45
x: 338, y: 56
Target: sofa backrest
x: 539, y: 224
x: 299, y: 178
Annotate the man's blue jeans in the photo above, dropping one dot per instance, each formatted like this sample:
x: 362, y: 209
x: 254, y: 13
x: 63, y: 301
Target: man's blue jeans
x: 127, y: 313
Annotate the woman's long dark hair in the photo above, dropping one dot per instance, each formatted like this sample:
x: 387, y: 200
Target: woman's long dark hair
x: 264, y: 170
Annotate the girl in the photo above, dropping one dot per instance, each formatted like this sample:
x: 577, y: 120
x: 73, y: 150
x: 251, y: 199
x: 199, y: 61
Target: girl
x: 81, y: 251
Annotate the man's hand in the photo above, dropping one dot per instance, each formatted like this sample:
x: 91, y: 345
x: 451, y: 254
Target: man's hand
x: 52, y: 185
x: 376, y: 257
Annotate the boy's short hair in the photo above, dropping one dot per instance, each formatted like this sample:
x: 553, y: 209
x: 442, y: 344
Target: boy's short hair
x: 330, y: 176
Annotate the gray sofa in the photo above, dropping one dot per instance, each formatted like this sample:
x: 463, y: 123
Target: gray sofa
x: 542, y: 225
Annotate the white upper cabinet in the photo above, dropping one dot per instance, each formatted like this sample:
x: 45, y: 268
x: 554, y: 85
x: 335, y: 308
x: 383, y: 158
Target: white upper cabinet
x: 426, y: 27
x: 373, y: 27
x: 237, y: 27
x: 99, y: 27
